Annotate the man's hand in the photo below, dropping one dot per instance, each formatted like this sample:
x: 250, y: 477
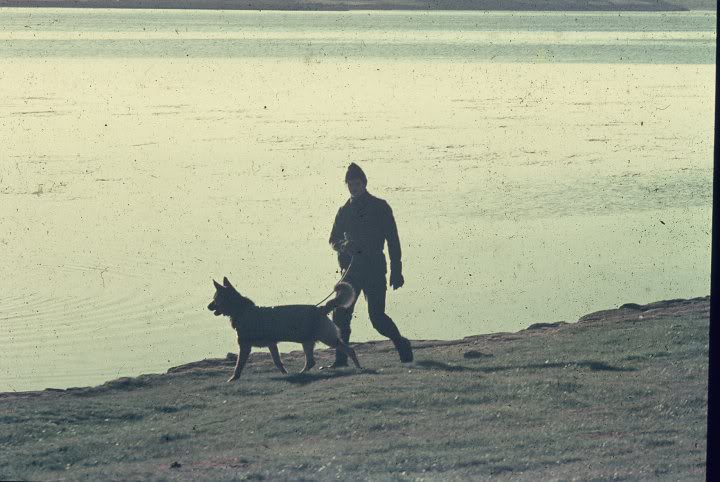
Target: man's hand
x: 396, y: 279
x: 348, y: 247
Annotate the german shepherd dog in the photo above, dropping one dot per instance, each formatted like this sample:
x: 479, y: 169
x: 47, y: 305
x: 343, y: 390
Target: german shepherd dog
x: 266, y: 326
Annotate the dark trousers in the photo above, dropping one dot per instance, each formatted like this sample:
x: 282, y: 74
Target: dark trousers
x: 374, y: 287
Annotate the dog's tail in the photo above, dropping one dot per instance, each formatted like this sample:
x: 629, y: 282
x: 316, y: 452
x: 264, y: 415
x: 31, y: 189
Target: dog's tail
x: 344, y: 298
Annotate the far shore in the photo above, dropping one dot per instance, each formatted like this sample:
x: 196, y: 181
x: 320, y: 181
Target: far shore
x: 345, y: 5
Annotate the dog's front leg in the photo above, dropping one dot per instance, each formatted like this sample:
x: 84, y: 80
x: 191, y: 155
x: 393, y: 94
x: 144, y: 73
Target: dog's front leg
x: 276, y: 358
x: 241, y: 360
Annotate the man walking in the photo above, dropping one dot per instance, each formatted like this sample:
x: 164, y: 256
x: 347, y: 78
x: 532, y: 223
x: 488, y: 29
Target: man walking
x: 361, y: 227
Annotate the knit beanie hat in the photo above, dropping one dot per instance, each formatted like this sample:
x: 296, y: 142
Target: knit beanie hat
x: 354, y: 172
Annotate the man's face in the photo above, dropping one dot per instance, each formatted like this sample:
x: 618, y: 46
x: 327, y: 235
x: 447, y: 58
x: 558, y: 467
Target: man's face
x: 356, y: 187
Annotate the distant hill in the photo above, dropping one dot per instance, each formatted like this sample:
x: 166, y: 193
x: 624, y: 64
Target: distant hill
x: 538, y: 5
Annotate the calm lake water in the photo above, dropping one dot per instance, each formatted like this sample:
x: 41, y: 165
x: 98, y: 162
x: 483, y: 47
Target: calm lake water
x: 540, y: 165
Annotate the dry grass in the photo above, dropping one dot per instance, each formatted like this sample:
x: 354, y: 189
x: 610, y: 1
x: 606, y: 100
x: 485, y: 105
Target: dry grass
x: 618, y: 395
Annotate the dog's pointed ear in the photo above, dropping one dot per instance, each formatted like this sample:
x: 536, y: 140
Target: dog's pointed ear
x: 227, y: 284
x: 218, y: 286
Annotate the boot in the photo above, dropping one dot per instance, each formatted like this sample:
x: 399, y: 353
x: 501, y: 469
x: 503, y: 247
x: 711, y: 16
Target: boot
x: 340, y: 361
x: 402, y: 345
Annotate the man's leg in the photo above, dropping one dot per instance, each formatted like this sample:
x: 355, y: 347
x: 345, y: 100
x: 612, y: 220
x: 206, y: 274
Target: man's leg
x: 375, y: 292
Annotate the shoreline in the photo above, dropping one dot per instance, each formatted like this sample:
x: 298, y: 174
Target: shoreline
x: 322, y: 352
x: 380, y: 5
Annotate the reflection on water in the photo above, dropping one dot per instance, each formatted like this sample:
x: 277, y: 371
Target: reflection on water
x: 523, y: 193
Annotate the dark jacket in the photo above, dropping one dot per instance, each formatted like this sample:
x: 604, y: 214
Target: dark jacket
x: 368, y: 222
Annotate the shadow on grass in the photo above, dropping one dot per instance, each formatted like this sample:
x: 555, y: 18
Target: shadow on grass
x: 310, y: 377
x: 592, y: 365
x: 432, y: 364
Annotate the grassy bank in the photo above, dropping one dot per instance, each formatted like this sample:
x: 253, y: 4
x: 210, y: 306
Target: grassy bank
x: 619, y: 394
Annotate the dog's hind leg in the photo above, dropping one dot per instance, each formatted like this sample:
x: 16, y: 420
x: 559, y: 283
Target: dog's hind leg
x: 276, y: 358
x: 329, y: 334
x: 348, y: 351
x: 308, y: 348
x: 241, y: 360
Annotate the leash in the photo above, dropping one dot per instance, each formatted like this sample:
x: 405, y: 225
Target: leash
x: 341, y: 280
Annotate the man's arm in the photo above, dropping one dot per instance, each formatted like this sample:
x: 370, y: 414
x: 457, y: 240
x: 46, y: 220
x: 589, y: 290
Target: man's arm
x: 337, y: 235
x: 393, y: 241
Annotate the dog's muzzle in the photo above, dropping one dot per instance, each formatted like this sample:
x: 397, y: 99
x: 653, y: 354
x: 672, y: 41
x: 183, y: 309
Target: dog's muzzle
x: 214, y: 309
